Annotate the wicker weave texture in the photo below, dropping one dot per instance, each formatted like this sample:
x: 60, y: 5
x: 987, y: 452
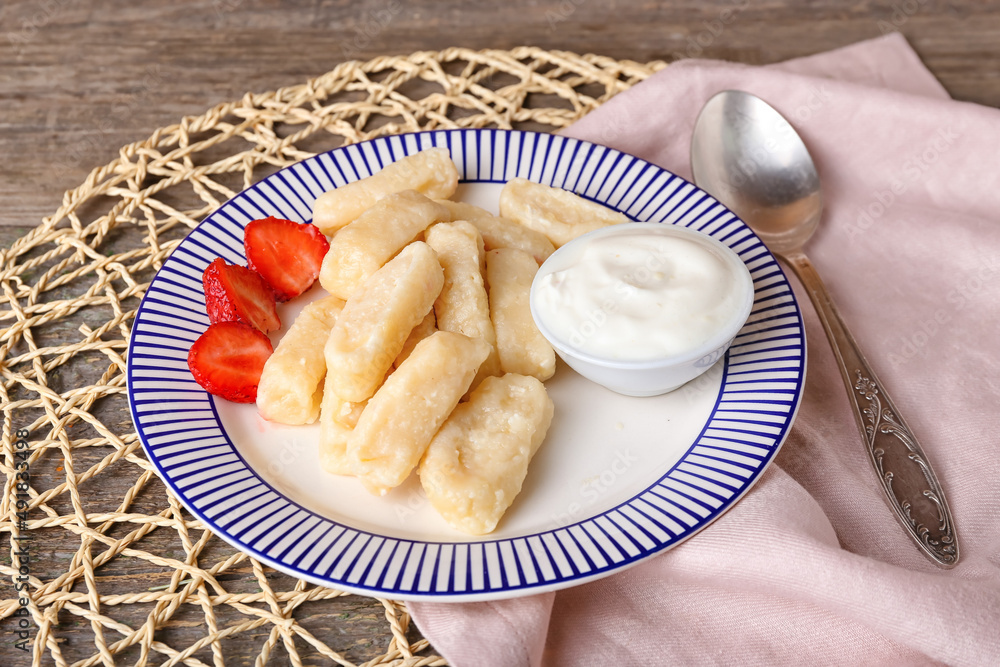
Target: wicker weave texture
x: 93, y: 514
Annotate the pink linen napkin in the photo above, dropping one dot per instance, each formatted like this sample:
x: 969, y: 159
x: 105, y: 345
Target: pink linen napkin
x: 810, y: 567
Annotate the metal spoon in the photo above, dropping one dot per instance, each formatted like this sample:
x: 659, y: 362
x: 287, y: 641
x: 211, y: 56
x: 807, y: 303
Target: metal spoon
x: 749, y: 157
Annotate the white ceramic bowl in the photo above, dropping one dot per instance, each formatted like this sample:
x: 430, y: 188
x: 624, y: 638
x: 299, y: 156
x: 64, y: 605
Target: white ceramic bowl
x: 654, y: 376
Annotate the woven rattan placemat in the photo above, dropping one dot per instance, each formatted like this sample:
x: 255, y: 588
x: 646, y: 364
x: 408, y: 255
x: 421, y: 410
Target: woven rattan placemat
x: 89, y: 523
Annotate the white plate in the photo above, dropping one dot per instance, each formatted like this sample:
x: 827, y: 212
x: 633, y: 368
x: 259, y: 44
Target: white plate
x: 617, y: 480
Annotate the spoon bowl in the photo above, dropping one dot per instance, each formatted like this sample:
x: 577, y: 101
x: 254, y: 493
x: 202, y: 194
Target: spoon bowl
x: 748, y: 156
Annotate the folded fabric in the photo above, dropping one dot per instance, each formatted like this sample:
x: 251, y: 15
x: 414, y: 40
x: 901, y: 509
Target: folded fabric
x: 811, y: 566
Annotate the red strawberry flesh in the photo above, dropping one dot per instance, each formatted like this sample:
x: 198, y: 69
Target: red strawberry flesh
x: 287, y: 254
x: 237, y: 294
x: 227, y: 360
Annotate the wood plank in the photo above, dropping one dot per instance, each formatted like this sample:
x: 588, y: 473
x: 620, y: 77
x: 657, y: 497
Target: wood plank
x: 81, y: 81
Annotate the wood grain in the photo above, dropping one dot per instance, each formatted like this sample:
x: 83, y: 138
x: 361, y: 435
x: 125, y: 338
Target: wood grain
x: 80, y: 79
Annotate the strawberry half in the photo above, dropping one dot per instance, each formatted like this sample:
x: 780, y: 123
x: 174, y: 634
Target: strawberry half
x: 237, y: 294
x: 227, y: 360
x: 288, y: 254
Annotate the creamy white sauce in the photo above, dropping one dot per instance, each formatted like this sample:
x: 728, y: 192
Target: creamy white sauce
x: 641, y: 296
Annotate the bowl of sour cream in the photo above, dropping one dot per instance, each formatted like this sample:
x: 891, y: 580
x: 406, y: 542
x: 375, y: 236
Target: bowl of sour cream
x: 643, y: 307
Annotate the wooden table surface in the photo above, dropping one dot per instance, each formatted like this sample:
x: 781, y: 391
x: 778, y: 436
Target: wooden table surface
x: 80, y: 79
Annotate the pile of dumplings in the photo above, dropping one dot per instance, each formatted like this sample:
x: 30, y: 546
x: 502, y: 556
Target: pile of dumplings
x: 424, y: 356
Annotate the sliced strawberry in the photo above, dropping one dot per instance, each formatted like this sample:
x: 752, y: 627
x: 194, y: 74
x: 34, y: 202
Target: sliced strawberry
x: 237, y: 294
x: 227, y: 360
x: 288, y: 254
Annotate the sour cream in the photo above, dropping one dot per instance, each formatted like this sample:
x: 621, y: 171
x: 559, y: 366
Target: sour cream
x: 642, y: 292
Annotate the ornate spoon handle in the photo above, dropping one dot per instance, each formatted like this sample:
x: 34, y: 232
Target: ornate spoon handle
x: 910, y: 485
